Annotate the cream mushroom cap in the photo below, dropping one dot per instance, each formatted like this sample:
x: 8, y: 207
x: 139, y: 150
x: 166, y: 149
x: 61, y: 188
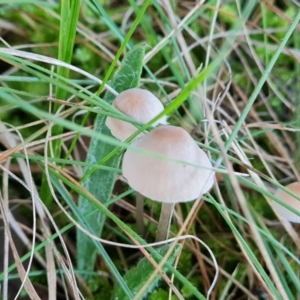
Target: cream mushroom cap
x: 162, y: 179
x: 290, y: 200
x: 139, y: 104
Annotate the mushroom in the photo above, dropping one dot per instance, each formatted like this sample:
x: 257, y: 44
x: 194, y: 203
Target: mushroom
x: 284, y: 212
x: 176, y: 170
x: 141, y: 105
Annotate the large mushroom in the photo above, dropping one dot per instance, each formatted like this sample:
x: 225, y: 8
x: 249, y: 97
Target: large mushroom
x: 284, y: 212
x: 139, y: 104
x: 172, y: 169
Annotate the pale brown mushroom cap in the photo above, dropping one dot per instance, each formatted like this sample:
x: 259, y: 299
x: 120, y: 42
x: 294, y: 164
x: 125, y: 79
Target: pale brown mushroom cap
x: 290, y: 200
x: 141, y: 105
x: 164, y: 180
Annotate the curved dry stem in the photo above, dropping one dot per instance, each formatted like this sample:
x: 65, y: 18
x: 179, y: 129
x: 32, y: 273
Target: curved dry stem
x: 164, y: 221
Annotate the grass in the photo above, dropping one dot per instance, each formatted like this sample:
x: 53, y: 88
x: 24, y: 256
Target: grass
x: 227, y: 72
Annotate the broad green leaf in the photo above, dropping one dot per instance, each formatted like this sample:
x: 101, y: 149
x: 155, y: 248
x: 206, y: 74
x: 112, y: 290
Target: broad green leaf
x: 100, y: 182
x: 137, y: 277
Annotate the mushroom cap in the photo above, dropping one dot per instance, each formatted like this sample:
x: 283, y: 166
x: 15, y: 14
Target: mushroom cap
x: 290, y: 200
x: 164, y: 180
x: 141, y: 105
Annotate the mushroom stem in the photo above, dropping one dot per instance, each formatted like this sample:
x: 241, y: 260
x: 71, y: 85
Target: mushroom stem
x: 164, y: 221
x: 140, y: 213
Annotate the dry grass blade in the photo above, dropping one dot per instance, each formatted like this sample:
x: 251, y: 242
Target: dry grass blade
x: 22, y: 273
x: 6, y: 239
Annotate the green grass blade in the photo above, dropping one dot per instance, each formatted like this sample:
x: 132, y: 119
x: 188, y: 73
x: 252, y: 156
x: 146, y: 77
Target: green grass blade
x: 288, y: 287
x: 101, y: 182
x: 292, y: 274
x: 296, y: 38
x: 96, y: 6
x: 68, y: 24
x: 69, y: 12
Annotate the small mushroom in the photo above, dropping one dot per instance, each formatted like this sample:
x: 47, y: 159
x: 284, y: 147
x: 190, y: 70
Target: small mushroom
x: 141, y: 105
x: 284, y: 212
x: 180, y: 172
